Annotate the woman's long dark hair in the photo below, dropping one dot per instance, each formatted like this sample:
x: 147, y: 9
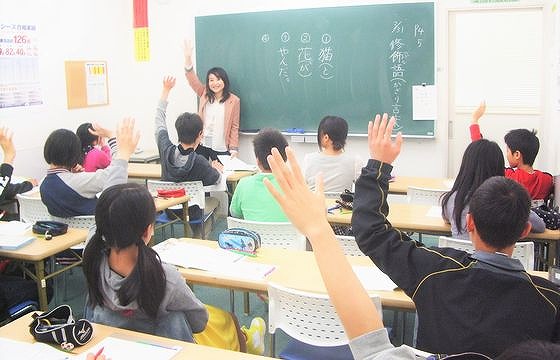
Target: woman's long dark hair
x: 482, y: 159
x: 122, y: 215
x: 220, y: 74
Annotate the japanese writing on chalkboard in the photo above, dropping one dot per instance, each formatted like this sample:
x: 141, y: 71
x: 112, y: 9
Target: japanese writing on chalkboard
x: 303, y: 57
x: 398, y: 56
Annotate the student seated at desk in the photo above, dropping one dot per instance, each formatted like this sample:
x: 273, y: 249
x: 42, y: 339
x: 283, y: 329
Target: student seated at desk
x: 336, y: 166
x: 96, y: 153
x: 68, y: 191
x: 482, y: 302
x: 359, y: 316
x: 482, y: 159
x: 128, y: 286
x: 251, y: 200
x: 180, y: 162
x: 8, y: 190
x: 522, y: 149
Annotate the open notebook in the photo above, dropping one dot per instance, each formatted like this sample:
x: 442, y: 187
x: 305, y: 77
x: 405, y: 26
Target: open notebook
x: 219, y: 261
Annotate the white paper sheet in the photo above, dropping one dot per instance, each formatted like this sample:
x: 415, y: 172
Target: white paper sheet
x: 14, y: 227
x: 434, y: 211
x: 31, y: 351
x: 118, y: 348
x: 373, y: 279
x: 233, y: 163
x: 424, y: 102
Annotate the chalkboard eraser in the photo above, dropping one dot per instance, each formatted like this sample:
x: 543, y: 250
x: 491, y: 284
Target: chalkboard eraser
x: 250, y: 130
x: 295, y: 131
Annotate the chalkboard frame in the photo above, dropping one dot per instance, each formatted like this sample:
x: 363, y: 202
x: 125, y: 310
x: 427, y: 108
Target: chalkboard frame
x: 217, y: 45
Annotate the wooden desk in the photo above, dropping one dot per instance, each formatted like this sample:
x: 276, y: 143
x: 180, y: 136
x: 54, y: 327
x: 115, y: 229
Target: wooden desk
x: 40, y: 249
x: 145, y: 156
x: 401, y: 183
x: 19, y: 330
x: 413, y: 217
x: 153, y: 172
x: 294, y: 268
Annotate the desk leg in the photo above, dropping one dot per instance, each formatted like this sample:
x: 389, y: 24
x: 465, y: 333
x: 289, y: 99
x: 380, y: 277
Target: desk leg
x: 186, y: 218
x: 552, y: 253
x: 41, y: 284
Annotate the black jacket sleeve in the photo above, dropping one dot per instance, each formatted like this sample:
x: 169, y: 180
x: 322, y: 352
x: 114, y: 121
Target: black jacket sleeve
x: 6, y: 171
x: 405, y: 261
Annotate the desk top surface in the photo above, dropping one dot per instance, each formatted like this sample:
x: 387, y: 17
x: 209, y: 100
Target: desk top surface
x: 18, y: 330
x: 296, y: 269
x: 40, y: 248
x: 153, y: 172
x: 417, y: 218
x: 400, y: 184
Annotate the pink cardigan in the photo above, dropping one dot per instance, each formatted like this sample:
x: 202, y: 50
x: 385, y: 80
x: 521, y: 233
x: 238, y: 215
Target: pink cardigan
x: 231, y: 111
x: 97, y: 159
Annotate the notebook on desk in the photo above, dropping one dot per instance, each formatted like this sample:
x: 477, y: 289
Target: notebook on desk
x: 14, y: 242
x: 235, y: 164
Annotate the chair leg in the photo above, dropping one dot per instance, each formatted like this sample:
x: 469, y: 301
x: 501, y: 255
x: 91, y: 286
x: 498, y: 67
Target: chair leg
x: 232, y: 301
x: 246, y: 303
x: 273, y: 345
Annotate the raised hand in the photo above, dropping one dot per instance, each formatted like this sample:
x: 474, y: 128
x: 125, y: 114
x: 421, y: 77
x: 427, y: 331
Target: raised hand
x: 478, y: 112
x: 102, y: 132
x: 168, y: 82
x: 127, y: 139
x: 305, y: 209
x: 381, y: 146
x: 7, y: 145
x: 188, y: 50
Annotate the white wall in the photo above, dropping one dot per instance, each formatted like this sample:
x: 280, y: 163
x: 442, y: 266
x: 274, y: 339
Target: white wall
x: 102, y: 30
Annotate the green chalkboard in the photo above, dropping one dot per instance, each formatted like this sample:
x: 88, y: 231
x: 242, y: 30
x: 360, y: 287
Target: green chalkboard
x: 292, y: 67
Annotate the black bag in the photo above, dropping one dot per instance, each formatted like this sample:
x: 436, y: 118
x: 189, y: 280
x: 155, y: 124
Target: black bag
x: 550, y: 216
x: 53, y: 228
x: 346, y: 200
x: 59, y: 326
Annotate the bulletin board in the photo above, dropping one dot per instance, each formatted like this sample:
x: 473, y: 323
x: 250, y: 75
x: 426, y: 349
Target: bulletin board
x: 86, y: 84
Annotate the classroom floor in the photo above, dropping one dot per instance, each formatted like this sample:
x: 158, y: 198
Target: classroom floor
x: 401, y: 330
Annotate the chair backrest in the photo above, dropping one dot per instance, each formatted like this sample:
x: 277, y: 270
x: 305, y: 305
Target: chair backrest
x: 80, y: 222
x: 273, y: 234
x: 349, y: 246
x: 32, y: 209
x: 307, y: 317
x: 523, y: 251
x: 194, y: 189
x: 418, y: 195
x: 332, y: 195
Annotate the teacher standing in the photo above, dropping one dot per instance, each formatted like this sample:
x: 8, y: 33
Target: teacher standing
x: 219, y: 108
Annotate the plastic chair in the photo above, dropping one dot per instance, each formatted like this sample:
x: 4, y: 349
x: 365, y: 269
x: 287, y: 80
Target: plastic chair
x: 274, y: 234
x: 418, y: 195
x: 32, y: 209
x: 307, y: 317
x: 523, y: 251
x: 349, y: 246
x: 195, y: 191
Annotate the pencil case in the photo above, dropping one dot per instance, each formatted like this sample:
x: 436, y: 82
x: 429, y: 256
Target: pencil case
x: 59, y: 326
x: 239, y: 239
x: 52, y: 228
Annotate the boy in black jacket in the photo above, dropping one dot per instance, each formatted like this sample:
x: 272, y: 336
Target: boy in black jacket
x: 484, y: 302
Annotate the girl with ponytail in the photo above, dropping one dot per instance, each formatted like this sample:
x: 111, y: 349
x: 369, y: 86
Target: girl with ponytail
x: 128, y: 286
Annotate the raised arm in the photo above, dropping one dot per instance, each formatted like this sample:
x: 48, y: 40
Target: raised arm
x: 190, y: 74
x: 475, y: 127
x: 306, y: 210
x: 7, y: 145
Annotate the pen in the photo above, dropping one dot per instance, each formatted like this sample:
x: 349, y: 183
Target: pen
x: 98, y: 353
x: 333, y: 208
x: 243, y: 253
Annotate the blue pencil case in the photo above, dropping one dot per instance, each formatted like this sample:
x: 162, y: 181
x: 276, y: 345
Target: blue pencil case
x: 240, y: 240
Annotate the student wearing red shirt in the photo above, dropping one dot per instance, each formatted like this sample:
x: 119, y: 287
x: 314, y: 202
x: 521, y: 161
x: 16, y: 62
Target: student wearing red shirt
x: 522, y: 148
